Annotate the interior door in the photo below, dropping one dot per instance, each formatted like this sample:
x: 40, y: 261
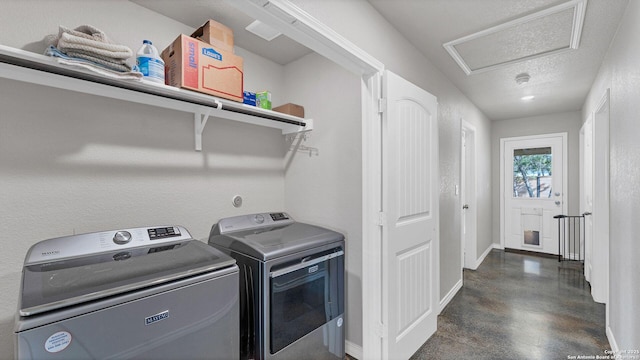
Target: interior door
x: 534, y: 170
x: 468, y: 197
x: 410, y: 199
x: 463, y: 196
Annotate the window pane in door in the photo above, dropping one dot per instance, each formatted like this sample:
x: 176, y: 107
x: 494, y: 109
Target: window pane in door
x: 532, y: 173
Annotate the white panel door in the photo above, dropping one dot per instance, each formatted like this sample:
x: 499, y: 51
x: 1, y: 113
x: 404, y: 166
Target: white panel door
x: 468, y: 197
x: 534, y: 171
x: 410, y: 199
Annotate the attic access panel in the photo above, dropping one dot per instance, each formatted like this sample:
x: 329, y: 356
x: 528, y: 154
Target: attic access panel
x: 546, y: 32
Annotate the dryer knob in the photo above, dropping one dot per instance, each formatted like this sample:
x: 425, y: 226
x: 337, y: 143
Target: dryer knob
x: 122, y: 237
x: 258, y: 219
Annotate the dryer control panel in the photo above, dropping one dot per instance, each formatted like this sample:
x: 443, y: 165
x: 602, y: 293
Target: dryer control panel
x: 103, y: 241
x: 252, y: 221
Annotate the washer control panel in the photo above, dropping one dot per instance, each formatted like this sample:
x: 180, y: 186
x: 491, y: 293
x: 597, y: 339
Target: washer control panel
x: 163, y: 232
x: 252, y: 221
x: 279, y: 216
x: 104, y: 241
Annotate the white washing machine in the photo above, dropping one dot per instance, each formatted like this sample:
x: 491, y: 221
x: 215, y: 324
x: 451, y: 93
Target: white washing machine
x: 141, y: 293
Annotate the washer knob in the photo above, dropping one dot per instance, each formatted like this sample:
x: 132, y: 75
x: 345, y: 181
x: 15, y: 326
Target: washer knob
x: 122, y: 237
x: 258, y: 219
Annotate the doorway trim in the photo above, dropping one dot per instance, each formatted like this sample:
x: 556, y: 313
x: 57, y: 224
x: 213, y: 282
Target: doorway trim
x: 317, y: 36
x: 601, y: 146
x: 565, y: 180
x: 586, y: 190
x: 468, y: 196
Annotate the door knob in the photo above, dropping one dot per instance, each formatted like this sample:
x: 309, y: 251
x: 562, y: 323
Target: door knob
x: 465, y: 206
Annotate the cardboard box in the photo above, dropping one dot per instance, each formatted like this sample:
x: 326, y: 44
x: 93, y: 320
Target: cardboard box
x: 195, y: 65
x: 263, y: 100
x: 216, y: 34
x: 291, y: 109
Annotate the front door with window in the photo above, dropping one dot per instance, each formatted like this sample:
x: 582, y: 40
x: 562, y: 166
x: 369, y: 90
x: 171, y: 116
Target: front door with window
x: 533, y: 191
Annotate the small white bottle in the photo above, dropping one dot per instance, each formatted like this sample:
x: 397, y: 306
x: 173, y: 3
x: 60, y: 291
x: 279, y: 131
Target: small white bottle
x: 150, y: 64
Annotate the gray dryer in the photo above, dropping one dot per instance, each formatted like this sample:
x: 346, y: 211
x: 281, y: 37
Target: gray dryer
x: 291, y: 286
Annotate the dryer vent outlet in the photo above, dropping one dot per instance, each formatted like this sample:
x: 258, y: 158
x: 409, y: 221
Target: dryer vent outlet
x: 237, y: 201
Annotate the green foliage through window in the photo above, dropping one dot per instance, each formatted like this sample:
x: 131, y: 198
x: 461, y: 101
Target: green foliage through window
x: 532, y: 173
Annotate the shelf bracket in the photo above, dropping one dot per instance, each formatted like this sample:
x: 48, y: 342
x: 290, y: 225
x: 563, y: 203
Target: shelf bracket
x: 296, y: 140
x: 200, y: 119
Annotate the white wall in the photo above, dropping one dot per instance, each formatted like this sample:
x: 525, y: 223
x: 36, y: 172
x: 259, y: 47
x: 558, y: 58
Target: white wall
x: 620, y: 73
x: 326, y: 189
x: 73, y: 163
x: 360, y: 23
x: 569, y: 122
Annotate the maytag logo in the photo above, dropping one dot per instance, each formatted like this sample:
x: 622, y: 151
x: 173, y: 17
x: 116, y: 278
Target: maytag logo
x: 157, y: 317
x: 212, y: 53
x: 49, y: 253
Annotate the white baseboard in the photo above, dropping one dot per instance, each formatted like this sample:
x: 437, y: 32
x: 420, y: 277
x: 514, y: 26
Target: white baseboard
x: 612, y: 340
x: 484, y: 255
x: 355, y: 351
x: 450, y: 295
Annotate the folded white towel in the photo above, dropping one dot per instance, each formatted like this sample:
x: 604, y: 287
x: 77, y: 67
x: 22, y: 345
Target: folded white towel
x: 106, y: 70
x: 115, y: 65
x: 130, y: 75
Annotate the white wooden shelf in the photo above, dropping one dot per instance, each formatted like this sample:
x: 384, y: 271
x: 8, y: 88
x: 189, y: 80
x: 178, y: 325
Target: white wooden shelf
x: 20, y: 65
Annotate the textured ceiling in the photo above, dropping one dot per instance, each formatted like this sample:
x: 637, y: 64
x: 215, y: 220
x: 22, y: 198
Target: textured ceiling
x: 560, y: 82
x: 519, y: 41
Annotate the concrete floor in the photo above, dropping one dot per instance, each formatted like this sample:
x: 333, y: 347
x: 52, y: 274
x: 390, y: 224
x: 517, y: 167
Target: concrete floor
x: 517, y: 306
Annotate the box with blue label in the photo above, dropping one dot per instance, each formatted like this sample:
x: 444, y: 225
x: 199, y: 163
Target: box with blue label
x: 249, y: 98
x: 195, y: 65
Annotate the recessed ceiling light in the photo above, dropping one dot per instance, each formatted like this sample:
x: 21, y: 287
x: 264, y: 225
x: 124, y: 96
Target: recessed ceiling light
x: 527, y: 98
x: 263, y: 30
x: 522, y: 78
